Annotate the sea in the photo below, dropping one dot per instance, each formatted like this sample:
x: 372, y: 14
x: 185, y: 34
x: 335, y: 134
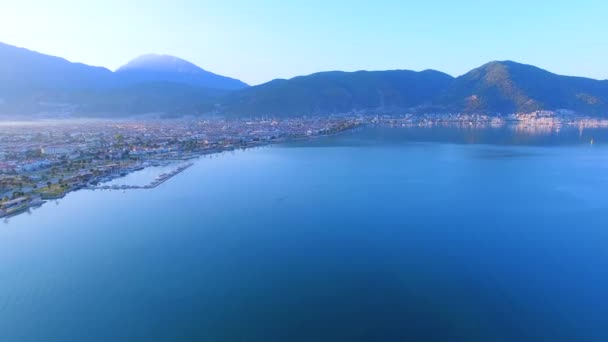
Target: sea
x: 377, y: 234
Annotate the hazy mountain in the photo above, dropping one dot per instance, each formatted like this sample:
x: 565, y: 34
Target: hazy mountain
x: 339, y: 92
x: 509, y: 87
x: 150, y: 97
x: 22, y: 69
x: 32, y: 82
x: 155, y: 68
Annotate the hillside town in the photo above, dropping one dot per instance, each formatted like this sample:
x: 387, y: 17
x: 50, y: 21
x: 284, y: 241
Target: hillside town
x: 44, y: 160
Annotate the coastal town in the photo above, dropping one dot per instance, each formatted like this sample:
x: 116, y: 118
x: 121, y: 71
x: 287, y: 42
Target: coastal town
x: 44, y: 160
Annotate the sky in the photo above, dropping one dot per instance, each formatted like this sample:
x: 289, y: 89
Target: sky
x: 257, y: 41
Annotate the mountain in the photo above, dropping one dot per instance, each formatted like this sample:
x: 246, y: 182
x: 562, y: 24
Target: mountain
x: 339, y: 92
x: 22, y: 69
x: 155, y: 68
x: 151, y: 97
x: 31, y: 82
x: 496, y: 87
x: 509, y: 87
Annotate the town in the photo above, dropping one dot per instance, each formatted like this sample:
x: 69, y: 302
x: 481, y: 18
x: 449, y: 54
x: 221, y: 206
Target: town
x: 44, y: 160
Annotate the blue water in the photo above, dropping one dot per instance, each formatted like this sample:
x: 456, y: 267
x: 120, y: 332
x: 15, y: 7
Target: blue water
x: 375, y: 235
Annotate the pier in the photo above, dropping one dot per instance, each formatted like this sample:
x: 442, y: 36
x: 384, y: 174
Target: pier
x: 158, y: 181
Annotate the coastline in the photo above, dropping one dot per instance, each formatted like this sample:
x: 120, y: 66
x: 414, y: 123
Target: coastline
x: 34, y: 202
x: 110, y: 161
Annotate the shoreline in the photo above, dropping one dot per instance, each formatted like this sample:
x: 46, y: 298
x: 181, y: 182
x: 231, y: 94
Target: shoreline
x: 157, y: 182
x: 41, y: 195
x: 35, y: 202
x: 22, y: 208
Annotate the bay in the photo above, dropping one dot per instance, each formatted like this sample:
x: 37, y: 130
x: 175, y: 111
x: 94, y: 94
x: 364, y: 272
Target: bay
x: 387, y: 234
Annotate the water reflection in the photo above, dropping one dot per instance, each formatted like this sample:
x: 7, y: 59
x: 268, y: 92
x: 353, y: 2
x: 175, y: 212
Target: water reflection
x: 490, y: 133
x: 395, y: 234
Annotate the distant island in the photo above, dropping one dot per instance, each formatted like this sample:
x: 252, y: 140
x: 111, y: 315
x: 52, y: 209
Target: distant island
x: 34, y: 84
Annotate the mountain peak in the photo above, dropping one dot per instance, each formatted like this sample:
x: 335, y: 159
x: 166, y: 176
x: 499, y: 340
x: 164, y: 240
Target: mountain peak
x: 156, y: 67
x: 508, y: 86
x: 156, y: 62
x: 510, y: 67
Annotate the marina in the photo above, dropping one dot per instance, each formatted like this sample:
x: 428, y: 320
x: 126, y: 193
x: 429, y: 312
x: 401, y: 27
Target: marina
x: 19, y: 205
x: 158, y: 181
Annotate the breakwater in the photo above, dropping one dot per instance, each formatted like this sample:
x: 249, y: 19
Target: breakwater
x: 158, y: 181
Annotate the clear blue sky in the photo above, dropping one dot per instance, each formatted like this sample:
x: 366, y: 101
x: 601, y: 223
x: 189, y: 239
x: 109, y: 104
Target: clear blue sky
x: 257, y: 41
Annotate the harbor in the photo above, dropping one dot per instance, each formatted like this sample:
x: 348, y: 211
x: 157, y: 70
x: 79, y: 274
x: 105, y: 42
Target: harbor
x: 19, y: 205
x: 156, y: 182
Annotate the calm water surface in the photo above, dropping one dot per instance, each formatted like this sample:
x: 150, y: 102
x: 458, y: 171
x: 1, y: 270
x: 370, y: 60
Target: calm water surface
x: 379, y: 235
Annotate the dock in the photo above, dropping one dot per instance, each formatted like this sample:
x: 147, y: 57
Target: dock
x: 158, y: 181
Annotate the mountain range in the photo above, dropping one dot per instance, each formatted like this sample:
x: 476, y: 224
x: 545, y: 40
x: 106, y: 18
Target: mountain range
x: 32, y: 82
